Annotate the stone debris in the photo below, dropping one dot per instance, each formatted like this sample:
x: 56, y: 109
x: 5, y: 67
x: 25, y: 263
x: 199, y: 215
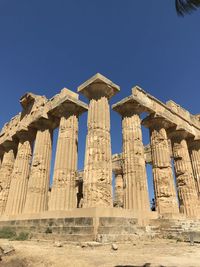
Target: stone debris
x: 91, y: 244
x: 114, y: 246
x: 6, y: 249
x: 58, y: 244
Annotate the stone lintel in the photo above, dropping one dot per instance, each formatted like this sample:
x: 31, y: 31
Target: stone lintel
x: 152, y: 105
x: 128, y: 106
x: 98, y: 86
x: 67, y: 92
x: 29, y: 98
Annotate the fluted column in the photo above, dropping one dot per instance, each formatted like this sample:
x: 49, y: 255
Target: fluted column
x: 194, y: 148
x: 63, y: 193
x: 6, y: 174
x: 98, y: 162
x: 136, y: 189
x: 97, y: 183
x: 188, y: 199
x: 164, y: 185
x: 20, y: 176
x: 38, y: 184
x: 119, y: 189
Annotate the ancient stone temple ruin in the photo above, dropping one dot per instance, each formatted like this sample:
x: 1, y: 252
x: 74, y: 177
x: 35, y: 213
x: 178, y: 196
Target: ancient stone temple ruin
x: 84, y: 205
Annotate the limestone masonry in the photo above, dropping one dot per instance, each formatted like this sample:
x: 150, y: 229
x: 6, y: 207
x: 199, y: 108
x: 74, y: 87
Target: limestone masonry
x: 99, y: 206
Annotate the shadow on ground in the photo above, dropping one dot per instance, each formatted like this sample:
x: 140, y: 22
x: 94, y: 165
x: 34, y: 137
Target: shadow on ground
x: 145, y: 265
x: 14, y: 263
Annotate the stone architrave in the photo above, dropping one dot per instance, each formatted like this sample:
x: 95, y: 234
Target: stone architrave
x: 187, y: 193
x: 164, y: 185
x: 194, y: 149
x: 63, y: 193
x: 97, y: 185
x: 119, y: 189
x: 38, y: 184
x: 134, y: 169
x: 20, y: 176
x: 5, y: 174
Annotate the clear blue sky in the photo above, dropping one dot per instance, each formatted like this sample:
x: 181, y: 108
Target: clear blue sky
x: 47, y: 45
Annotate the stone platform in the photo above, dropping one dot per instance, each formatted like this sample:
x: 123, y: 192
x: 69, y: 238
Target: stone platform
x: 180, y: 229
x: 87, y: 224
x: 102, y: 225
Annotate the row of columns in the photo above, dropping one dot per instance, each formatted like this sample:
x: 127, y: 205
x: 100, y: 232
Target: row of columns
x: 25, y: 178
x: 170, y: 198
x: 25, y: 174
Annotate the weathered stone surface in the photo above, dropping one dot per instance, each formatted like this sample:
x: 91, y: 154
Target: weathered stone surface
x: 136, y: 192
x: 63, y: 193
x: 30, y: 197
x: 194, y: 149
x: 5, y: 175
x: 134, y: 171
x: 165, y: 193
x: 7, y: 249
x: 38, y: 184
x: 37, y: 107
x: 19, y: 179
x: 98, y: 161
x: 119, y: 189
x: 187, y: 193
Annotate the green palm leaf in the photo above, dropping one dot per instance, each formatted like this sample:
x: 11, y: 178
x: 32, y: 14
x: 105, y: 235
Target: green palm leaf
x: 186, y: 6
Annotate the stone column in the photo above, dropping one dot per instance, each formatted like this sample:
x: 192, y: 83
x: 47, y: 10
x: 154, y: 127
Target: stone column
x: 38, y: 185
x: 188, y: 199
x: 136, y: 189
x: 164, y: 185
x: 5, y: 174
x: 119, y: 189
x: 63, y: 193
x: 97, y: 183
x: 134, y: 166
x: 20, y: 176
x: 194, y: 149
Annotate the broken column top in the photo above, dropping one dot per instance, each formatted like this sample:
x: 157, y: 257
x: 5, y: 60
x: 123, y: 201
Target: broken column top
x: 98, y: 86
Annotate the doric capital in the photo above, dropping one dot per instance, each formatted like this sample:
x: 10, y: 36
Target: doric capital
x: 10, y: 144
x: 193, y: 144
x: 177, y: 135
x: 98, y: 86
x: 69, y: 107
x: 45, y: 123
x: 26, y: 134
x: 156, y: 122
x: 128, y: 107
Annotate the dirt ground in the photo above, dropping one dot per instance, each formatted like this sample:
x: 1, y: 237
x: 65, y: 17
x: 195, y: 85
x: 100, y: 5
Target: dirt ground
x: 141, y: 253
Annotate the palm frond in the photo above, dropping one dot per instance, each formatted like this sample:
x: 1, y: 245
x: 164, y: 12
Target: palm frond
x: 184, y: 7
